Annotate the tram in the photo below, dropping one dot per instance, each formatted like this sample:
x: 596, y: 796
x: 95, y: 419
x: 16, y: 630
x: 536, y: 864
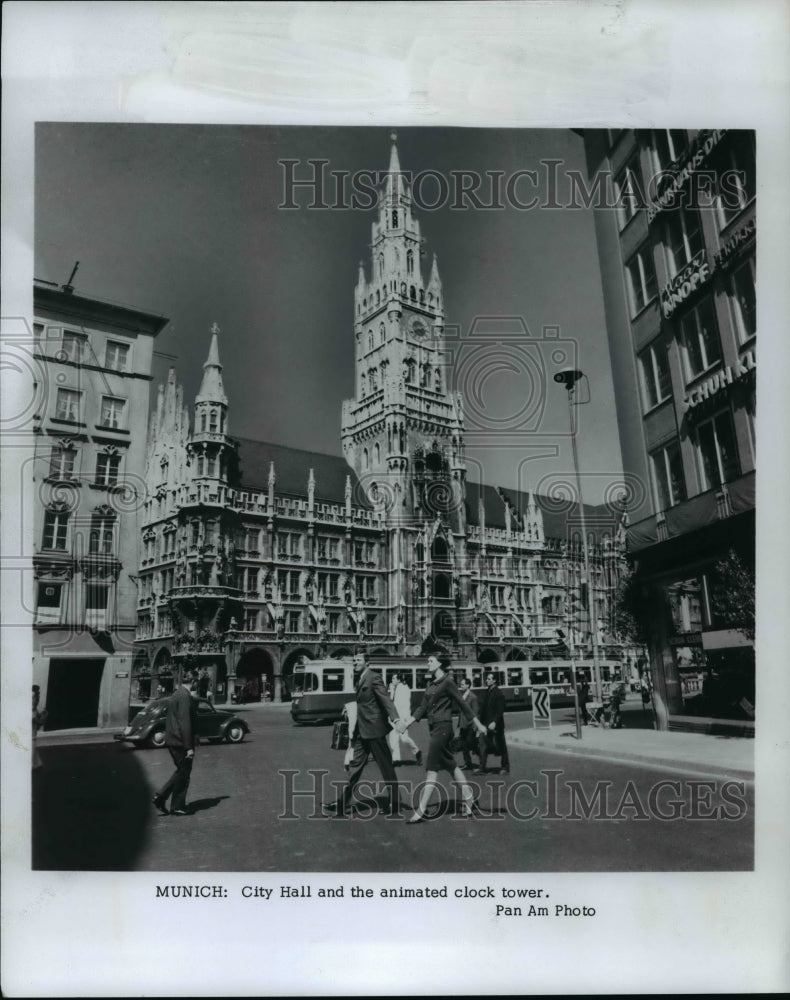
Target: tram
x: 320, y: 688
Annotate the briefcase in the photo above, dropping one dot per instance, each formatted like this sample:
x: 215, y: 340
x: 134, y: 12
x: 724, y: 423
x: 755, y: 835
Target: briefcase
x: 340, y: 735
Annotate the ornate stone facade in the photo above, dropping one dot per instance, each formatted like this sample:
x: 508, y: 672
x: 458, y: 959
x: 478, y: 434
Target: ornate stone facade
x: 255, y: 555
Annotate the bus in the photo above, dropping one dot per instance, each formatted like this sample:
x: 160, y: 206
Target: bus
x: 320, y: 688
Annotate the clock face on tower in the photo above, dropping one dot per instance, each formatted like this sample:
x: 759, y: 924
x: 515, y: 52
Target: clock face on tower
x: 418, y: 329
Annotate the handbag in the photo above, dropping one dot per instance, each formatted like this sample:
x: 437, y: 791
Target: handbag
x: 340, y: 735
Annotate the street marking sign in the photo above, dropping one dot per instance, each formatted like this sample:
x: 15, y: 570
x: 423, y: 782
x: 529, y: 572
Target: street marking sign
x: 541, y: 704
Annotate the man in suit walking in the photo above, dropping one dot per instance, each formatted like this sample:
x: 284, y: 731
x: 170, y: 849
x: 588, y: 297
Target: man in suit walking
x: 492, y: 715
x: 180, y: 737
x: 374, y: 709
x: 466, y: 729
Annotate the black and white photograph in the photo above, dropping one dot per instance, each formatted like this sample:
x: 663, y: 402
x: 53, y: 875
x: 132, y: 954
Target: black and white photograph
x: 381, y: 538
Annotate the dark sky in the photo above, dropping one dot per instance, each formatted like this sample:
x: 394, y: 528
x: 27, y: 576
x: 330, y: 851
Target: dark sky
x: 183, y: 220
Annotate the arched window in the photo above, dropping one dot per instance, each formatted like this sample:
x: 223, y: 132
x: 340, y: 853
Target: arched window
x: 430, y: 298
x: 439, y: 548
x: 370, y: 340
x: 410, y: 262
x: 372, y: 380
x: 394, y: 218
x: 363, y: 385
x: 437, y: 380
x: 403, y: 288
x: 365, y: 458
x: 419, y: 552
x: 203, y: 420
x: 376, y: 453
x: 382, y: 334
x: 412, y: 293
x: 378, y: 298
x: 213, y: 422
x: 422, y: 296
x: 201, y: 464
x: 381, y: 264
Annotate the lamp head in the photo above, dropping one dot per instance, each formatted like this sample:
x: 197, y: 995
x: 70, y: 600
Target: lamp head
x: 568, y: 377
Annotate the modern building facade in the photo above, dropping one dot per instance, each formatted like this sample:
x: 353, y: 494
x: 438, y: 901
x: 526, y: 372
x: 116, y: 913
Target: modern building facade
x: 254, y: 555
x: 677, y: 257
x: 88, y: 464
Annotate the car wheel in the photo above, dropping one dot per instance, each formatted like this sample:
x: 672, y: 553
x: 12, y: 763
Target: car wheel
x: 157, y: 738
x: 235, y: 733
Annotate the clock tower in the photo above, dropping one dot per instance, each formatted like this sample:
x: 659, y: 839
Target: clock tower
x: 403, y: 431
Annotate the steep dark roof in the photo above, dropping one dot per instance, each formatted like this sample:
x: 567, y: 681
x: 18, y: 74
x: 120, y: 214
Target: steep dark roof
x: 560, y: 517
x: 292, y: 469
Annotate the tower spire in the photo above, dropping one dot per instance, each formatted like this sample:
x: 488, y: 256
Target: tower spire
x: 211, y: 388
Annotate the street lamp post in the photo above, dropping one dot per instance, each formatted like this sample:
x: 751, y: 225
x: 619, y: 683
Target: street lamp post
x: 569, y: 377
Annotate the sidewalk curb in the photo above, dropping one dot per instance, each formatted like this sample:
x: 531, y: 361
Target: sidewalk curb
x: 625, y: 757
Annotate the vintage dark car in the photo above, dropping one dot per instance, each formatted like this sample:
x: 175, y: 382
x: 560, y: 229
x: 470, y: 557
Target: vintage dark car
x: 147, y: 728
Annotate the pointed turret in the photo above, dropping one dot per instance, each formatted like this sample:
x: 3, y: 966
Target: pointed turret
x: 211, y: 388
x: 395, y: 181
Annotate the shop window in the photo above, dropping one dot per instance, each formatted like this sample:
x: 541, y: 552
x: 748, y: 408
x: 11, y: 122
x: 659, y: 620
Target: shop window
x: 627, y: 194
x: 116, y: 356
x: 668, y: 479
x: 718, y: 454
x: 67, y: 405
x: 56, y: 523
x: 744, y: 303
x: 656, y: 382
x: 700, y: 338
x: 683, y: 239
x: 641, y: 278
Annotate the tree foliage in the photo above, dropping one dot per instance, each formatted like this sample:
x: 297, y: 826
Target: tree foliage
x: 732, y: 594
x: 631, y: 611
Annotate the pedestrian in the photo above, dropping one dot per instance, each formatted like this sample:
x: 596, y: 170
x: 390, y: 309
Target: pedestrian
x: 492, y: 715
x: 400, y: 694
x: 617, y: 698
x: 180, y: 738
x: 583, y: 691
x: 374, y: 709
x: 441, y: 698
x: 204, y: 684
x: 466, y: 730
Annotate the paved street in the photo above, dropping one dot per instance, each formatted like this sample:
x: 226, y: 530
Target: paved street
x: 92, y: 811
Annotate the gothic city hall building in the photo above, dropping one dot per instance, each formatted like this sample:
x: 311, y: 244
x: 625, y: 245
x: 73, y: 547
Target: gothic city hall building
x: 255, y: 555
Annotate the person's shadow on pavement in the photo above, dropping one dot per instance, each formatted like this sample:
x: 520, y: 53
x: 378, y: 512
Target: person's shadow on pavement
x: 197, y: 805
